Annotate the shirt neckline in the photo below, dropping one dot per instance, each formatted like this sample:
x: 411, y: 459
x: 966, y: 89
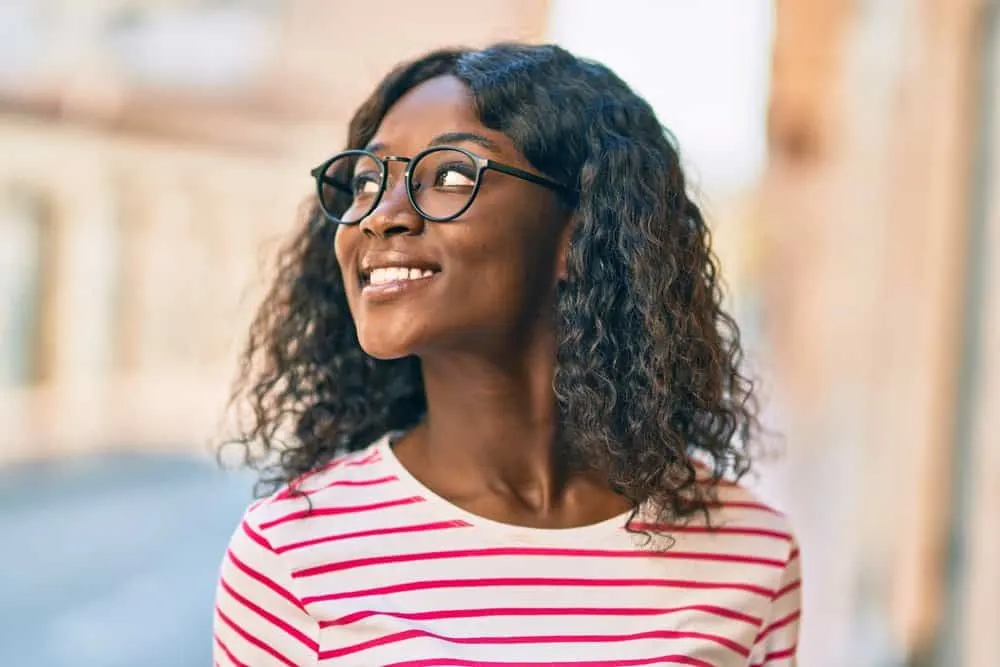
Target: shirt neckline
x: 576, y: 534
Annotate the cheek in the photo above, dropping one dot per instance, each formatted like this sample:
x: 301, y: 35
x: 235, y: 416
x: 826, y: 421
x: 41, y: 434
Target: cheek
x: 511, y: 269
x: 341, y: 242
x: 344, y: 245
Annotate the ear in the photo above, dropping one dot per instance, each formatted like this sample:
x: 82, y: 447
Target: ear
x: 562, y: 251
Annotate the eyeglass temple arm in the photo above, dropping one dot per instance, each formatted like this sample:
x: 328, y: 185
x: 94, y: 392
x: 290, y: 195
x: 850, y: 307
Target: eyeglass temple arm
x: 528, y: 176
x: 315, y: 173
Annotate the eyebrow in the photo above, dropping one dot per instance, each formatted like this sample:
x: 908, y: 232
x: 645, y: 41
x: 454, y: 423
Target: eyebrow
x: 458, y: 137
x: 448, y: 138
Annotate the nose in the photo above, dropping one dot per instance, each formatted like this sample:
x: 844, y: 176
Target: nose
x: 394, y: 214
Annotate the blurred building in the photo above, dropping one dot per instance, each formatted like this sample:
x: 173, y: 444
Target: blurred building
x: 150, y: 164
x: 882, y: 226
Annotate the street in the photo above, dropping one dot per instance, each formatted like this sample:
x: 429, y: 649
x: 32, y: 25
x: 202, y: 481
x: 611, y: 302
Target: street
x: 110, y: 560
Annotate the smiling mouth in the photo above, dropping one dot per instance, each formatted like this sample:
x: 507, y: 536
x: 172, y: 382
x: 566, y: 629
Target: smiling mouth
x: 390, y: 275
x: 388, y: 283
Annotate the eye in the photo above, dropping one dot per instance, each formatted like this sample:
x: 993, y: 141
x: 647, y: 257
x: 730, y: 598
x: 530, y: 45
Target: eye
x: 366, y: 183
x: 454, y: 175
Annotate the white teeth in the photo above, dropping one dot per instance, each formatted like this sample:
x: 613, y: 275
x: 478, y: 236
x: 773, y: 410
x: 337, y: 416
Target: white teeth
x: 393, y: 274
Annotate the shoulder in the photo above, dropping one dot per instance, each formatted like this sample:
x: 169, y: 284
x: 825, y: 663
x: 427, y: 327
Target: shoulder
x: 319, y: 488
x: 741, y: 516
x: 346, y: 505
x: 736, y: 510
x: 274, y: 525
x: 759, y: 533
x: 738, y: 506
x: 740, y: 530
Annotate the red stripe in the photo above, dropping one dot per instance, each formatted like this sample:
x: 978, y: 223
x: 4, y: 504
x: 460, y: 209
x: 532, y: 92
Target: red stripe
x: 334, y: 511
x: 274, y: 620
x: 374, y: 457
x: 393, y: 530
x: 229, y: 654
x: 781, y: 655
x: 733, y: 504
x: 792, y: 556
x: 536, y: 581
x: 632, y: 662
x: 255, y: 504
x: 262, y: 645
x: 352, y: 457
x: 345, y: 482
x: 338, y: 566
x: 291, y: 490
x: 270, y: 583
x: 374, y: 481
x: 333, y: 463
x: 533, y: 639
x: 256, y: 537
x: 794, y: 616
x: 776, y: 655
x: 540, y: 611
x: 365, y: 482
x: 781, y: 592
x: 725, y: 530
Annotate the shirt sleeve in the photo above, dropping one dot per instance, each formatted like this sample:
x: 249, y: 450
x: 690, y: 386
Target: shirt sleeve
x: 777, y: 643
x: 259, y: 620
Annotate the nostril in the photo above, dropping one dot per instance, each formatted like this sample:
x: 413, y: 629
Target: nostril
x: 396, y: 229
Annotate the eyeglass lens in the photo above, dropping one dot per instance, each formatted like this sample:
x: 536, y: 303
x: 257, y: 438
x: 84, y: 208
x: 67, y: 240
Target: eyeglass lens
x: 442, y: 184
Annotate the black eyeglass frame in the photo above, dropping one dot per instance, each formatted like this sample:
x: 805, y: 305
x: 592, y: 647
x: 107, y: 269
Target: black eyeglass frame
x: 482, y: 164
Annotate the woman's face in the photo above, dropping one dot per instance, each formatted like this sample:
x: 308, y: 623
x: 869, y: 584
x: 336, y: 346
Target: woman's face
x: 482, y: 283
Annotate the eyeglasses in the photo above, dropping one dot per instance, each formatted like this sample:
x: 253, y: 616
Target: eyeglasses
x: 441, y: 182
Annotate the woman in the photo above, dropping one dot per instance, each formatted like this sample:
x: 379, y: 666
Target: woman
x: 497, y: 396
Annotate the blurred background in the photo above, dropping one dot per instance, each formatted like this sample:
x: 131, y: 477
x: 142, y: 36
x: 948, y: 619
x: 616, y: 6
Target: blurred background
x: 153, y: 153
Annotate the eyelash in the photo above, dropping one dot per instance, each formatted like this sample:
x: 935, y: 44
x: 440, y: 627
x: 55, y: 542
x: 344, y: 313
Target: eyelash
x: 360, y: 180
x: 459, y: 168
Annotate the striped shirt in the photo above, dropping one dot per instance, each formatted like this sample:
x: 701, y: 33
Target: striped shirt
x: 381, y: 571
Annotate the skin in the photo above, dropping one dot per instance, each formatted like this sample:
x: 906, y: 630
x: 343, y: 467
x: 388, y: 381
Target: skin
x: 482, y: 326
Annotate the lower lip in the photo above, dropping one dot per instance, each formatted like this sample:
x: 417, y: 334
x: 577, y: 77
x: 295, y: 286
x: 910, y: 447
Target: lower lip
x: 395, y: 289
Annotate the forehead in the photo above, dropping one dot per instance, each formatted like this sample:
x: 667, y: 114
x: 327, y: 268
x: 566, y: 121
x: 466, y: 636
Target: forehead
x: 437, y: 106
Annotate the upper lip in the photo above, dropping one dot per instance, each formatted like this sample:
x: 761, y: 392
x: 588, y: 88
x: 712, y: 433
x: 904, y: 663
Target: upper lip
x: 384, y: 260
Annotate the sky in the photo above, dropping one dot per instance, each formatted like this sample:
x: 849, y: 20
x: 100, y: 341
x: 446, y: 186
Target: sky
x: 704, y: 66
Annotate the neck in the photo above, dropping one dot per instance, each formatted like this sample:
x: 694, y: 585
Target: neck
x: 492, y: 422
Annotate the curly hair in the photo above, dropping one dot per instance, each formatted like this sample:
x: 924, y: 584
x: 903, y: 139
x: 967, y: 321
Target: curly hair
x: 648, y: 374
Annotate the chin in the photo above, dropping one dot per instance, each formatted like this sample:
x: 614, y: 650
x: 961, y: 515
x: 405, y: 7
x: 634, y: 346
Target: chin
x: 386, y: 342
x: 384, y: 352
